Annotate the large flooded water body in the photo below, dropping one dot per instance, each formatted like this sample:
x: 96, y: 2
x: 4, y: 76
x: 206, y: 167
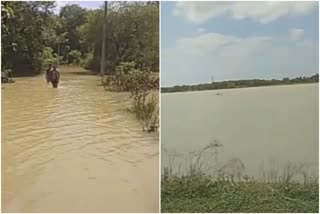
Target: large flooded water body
x: 260, y: 125
x: 75, y: 149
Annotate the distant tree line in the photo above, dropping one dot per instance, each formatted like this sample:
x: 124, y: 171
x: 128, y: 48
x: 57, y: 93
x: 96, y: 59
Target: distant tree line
x: 34, y: 36
x: 240, y: 84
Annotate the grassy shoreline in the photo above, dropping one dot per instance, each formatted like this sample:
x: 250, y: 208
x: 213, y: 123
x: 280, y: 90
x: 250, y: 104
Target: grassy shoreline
x: 205, y: 186
x: 200, y: 194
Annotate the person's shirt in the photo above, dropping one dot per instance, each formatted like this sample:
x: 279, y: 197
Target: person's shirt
x: 55, y: 72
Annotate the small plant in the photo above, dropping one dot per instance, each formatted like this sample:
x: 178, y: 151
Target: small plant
x: 140, y: 84
x: 146, y: 109
x: 198, y: 161
x: 6, y: 76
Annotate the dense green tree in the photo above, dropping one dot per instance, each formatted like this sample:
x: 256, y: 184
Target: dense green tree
x: 73, y: 17
x: 33, y: 36
x: 132, y: 34
x: 23, y: 37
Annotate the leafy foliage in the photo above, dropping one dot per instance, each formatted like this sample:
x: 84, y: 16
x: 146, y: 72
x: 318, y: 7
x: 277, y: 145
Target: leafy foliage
x: 32, y: 35
x: 140, y: 84
x: 132, y: 34
x: 73, y: 17
x: 23, y: 35
x: 74, y: 57
x: 127, y: 78
x: 49, y: 58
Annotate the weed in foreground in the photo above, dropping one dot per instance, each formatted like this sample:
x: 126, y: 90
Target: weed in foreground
x: 140, y: 84
x: 227, y: 188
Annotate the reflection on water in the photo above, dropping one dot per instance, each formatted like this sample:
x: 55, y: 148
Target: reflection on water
x: 264, y: 126
x: 74, y: 149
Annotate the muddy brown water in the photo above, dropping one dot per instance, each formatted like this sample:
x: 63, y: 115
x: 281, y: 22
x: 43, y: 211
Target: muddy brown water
x: 262, y: 126
x: 75, y: 149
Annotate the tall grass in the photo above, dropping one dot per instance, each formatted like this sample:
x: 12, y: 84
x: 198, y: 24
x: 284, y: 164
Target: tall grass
x: 204, y: 162
x: 207, y: 185
x: 146, y: 108
x: 302, y: 172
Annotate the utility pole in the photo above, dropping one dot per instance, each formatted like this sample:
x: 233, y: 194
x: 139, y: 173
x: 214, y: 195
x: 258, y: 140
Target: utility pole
x: 103, y: 51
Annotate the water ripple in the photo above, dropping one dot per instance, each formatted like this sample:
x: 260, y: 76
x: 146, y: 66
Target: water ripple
x: 57, y: 137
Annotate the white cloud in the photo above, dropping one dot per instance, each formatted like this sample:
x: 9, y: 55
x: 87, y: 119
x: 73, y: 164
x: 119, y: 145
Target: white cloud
x: 296, y: 34
x: 262, y: 12
x: 201, y: 30
x: 196, y: 59
x: 200, y: 11
x: 205, y: 43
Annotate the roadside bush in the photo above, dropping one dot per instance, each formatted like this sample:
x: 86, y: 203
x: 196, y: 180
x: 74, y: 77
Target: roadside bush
x: 6, y: 76
x: 127, y: 78
x: 74, y: 57
x: 49, y: 58
x: 88, y: 62
x: 139, y: 83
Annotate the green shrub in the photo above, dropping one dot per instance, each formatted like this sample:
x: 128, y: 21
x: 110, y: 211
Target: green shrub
x: 74, y: 57
x: 88, y: 61
x: 145, y: 107
x: 127, y: 78
x: 6, y: 76
x: 49, y: 58
x: 139, y: 83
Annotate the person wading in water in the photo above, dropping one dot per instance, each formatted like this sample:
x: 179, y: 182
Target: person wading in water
x: 48, y: 73
x: 55, y: 77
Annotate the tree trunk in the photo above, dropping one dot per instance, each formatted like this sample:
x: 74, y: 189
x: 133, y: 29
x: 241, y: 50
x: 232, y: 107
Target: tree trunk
x: 103, y: 50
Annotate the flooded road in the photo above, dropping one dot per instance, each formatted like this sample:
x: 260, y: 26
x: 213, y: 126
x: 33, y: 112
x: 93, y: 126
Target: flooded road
x: 75, y: 149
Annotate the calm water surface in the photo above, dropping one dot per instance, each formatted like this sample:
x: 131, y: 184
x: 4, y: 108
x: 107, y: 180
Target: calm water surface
x: 74, y: 149
x: 264, y: 124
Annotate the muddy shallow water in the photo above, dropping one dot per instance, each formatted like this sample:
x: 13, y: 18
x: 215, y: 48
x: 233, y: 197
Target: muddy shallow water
x: 74, y: 149
x: 262, y: 126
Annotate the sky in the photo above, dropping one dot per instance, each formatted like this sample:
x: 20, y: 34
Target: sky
x: 85, y: 4
x: 201, y: 41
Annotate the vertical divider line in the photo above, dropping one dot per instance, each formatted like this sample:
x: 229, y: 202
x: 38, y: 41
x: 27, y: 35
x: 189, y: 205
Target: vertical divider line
x: 160, y: 158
